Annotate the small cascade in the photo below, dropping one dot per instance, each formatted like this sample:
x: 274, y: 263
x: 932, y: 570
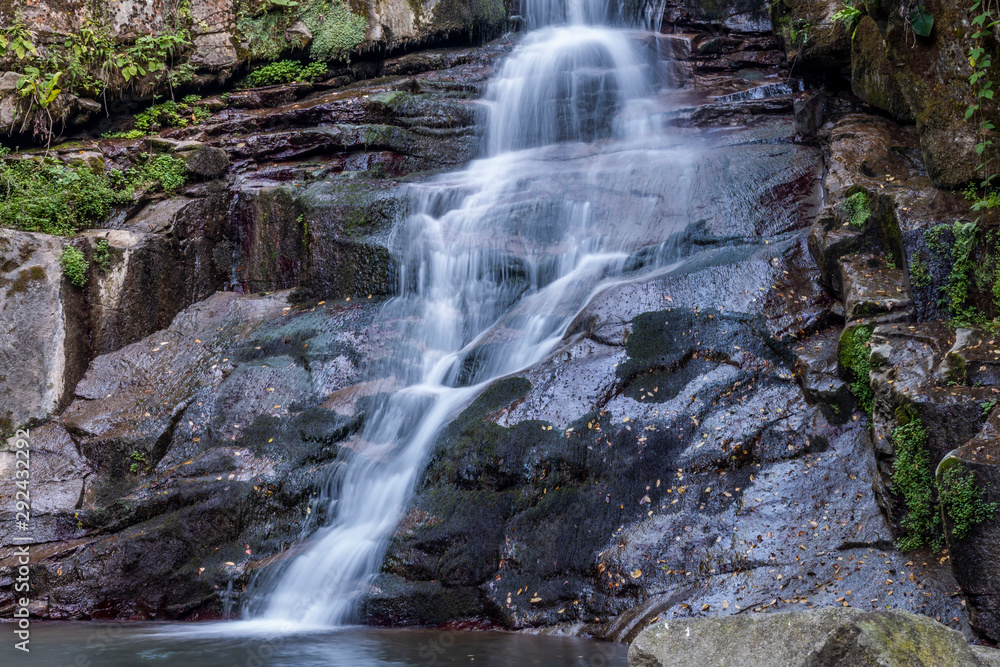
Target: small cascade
x: 495, y: 262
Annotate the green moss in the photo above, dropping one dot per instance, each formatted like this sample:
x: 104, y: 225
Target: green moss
x: 855, y: 358
x: 857, y: 208
x: 74, y: 265
x: 913, y: 479
x: 24, y: 279
x: 962, y: 500
x: 336, y: 30
x: 957, y: 373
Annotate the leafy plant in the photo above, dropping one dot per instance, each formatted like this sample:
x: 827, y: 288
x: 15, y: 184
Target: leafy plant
x: 962, y: 500
x: 858, y: 209
x: 982, y: 85
x: 849, y: 15
x: 169, y: 172
x: 138, y: 461
x: 913, y: 479
x: 284, y: 71
x: 74, y: 265
x: 956, y: 291
x: 920, y: 274
x: 855, y: 357
x: 921, y: 21
x: 102, y: 255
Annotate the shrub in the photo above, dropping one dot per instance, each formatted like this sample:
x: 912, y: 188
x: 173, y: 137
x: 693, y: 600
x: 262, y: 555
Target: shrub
x: 61, y: 199
x: 335, y: 28
x: 167, y: 171
x: 55, y: 198
x: 74, y: 265
x: 284, y: 71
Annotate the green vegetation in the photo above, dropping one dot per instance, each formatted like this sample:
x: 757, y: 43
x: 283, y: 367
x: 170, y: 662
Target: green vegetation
x: 60, y: 199
x: 165, y: 114
x: 169, y: 172
x: 102, y: 255
x: 857, y: 208
x: 955, y: 492
x: 54, y: 198
x: 956, y: 291
x: 913, y: 479
x: 284, y: 71
x: 849, y: 15
x: 138, y: 461
x: 983, y: 23
x: 74, y: 265
x: 988, y: 406
x: 920, y: 274
x: 335, y: 28
x: 962, y: 500
x: 89, y: 63
x: 855, y: 358
x: 921, y: 21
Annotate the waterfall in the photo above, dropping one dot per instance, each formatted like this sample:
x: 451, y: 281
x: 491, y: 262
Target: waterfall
x: 496, y: 260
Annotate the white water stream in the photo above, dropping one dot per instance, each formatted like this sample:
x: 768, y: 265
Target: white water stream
x: 496, y: 261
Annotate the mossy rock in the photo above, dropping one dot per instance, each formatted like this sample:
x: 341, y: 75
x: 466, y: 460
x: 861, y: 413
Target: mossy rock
x: 872, y: 75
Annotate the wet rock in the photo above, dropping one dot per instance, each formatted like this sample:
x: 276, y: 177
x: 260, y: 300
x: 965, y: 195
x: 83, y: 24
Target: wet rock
x: 872, y: 75
x: 208, y: 162
x: 819, y: 637
x: 298, y: 35
x: 43, y: 339
x: 816, y: 369
x: 873, y: 290
x: 862, y: 222
x: 58, y: 482
x: 975, y: 546
x: 183, y: 448
x: 809, y: 34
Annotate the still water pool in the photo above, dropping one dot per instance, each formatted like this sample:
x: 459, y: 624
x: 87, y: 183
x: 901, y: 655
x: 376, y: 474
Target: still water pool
x: 245, y: 645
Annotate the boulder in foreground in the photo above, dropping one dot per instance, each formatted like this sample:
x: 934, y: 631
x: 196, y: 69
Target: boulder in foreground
x: 814, y: 638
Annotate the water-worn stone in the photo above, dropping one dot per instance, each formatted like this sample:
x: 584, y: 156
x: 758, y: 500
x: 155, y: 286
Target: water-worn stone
x: 43, y: 340
x: 185, y: 446
x: 822, y: 637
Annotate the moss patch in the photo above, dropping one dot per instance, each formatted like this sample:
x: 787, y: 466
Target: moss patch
x: 854, y: 355
x: 913, y: 479
x: 858, y: 209
x: 962, y: 500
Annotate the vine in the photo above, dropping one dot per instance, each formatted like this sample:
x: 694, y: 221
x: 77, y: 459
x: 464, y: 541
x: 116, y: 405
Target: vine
x: 983, y: 21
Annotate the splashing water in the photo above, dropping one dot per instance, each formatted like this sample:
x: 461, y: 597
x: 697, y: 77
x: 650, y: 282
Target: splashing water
x: 496, y: 261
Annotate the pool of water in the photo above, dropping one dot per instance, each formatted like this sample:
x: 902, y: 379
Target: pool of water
x: 241, y: 645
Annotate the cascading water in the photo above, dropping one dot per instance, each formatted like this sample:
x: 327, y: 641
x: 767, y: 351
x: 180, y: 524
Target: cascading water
x: 496, y: 262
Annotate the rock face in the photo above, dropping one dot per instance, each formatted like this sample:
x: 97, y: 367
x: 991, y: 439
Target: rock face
x: 913, y: 78
x: 215, y: 37
x: 43, y: 344
x: 693, y: 446
x: 813, y: 638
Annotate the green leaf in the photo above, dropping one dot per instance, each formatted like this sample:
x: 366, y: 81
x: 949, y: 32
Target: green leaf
x: 922, y: 22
